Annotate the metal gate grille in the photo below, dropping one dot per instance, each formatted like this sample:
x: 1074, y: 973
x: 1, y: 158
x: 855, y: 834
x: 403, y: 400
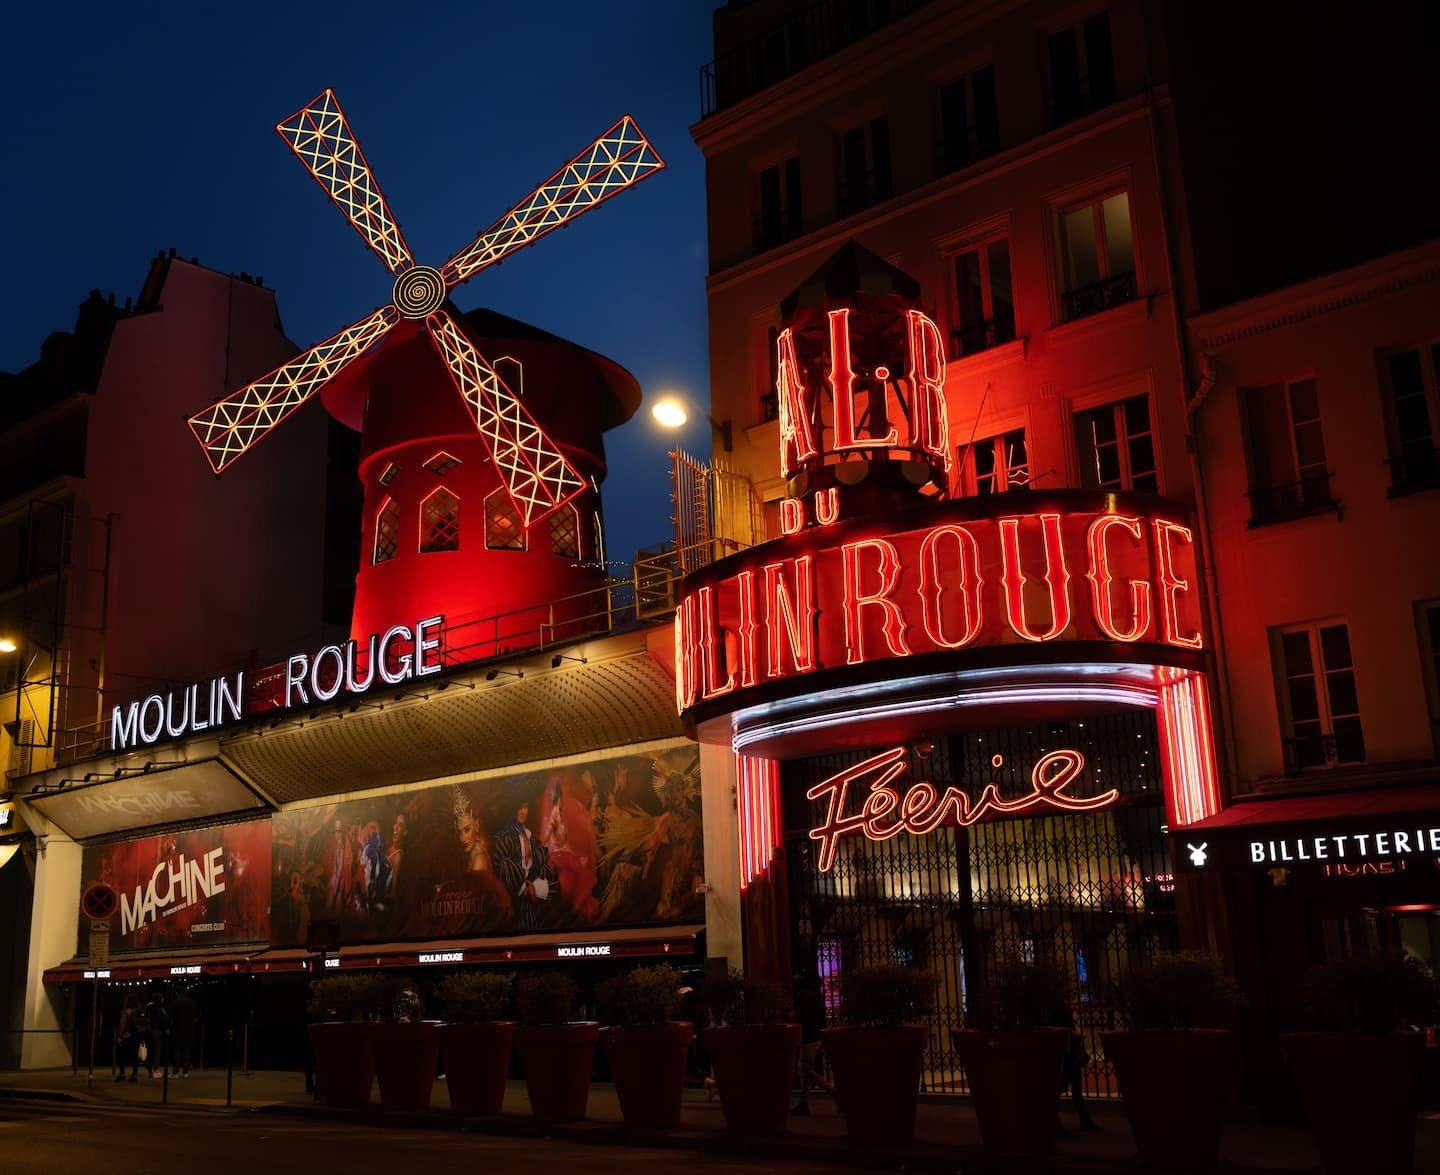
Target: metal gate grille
x: 1089, y: 891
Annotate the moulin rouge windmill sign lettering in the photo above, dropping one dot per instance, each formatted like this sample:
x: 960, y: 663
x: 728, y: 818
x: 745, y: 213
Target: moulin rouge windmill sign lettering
x: 886, y: 813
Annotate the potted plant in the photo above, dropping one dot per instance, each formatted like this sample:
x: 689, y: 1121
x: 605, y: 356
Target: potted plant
x: 876, y: 1054
x: 474, y: 1041
x: 1359, y: 1076
x: 342, y: 1038
x: 753, y: 1054
x: 1178, y: 1064
x: 1014, y: 1056
x: 647, y: 1047
x: 556, y: 1054
x: 407, y: 1049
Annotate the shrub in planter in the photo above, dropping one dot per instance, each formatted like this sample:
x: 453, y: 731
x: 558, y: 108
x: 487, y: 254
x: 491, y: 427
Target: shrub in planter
x: 342, y: 1040
x: 476, y: 1041
x: 556, y: 1054
x: 1015, y: 1055
x: 1178, y: 1065
x: 876, y: 1055
x: 407, y: 1050
x: 1359, y: 1075
x: 752, y: 1052
x: 647, y: 1047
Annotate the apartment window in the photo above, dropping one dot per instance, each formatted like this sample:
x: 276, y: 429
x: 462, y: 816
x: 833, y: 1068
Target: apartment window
x: 440, y: 522
x: 969, y: 120
x: 1081, y: 69
x: 503, y: 531
x: 1412, y: 417
x: 1097, y: 256
x: 387, y: 532
x: 779, y: 219
x: 985, y: 302
x: 1288, y: 474
x: 769, y: 396
x: 1319, y: 703
x: 1116, y: 446
x: 995, y: 464
x: 1427, y: 618
x: 565, y: 532
x: 865, y: 165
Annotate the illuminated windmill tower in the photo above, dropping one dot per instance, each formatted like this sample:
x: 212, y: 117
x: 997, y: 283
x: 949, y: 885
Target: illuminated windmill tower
x: 481, y: 437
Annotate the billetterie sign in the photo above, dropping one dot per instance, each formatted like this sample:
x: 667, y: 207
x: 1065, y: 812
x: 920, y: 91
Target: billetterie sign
x: 404, y: 652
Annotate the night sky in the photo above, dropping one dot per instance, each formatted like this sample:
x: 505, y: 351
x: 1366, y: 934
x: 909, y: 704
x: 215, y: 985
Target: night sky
x: 131, y: 128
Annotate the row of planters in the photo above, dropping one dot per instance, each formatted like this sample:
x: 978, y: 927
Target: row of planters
x: 1177, y: 1065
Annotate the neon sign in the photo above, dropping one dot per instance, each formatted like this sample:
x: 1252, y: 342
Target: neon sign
x: 885, y: 813
x: 317, y: 677
x: 838, y: 595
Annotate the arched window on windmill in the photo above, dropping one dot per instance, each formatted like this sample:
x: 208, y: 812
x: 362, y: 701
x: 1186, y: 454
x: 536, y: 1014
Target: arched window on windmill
x: 440, y: 522
x: 387, y: 532
x: 565, y: 532
x: 503, y: 529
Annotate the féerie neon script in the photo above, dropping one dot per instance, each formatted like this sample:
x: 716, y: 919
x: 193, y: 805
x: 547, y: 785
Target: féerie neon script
x: 886, y: 813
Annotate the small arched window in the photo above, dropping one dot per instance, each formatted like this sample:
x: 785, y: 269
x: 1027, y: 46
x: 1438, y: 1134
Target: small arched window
x: 503, y: 531
x: 440, y: 522
x: 387, y: 532
x: 565, y: 532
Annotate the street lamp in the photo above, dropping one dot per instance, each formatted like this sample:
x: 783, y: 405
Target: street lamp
x: 670, y: 412
x: 7, y: 645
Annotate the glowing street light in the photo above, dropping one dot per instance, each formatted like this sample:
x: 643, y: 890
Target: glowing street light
x: 671, y: 412
x: 7, y: 645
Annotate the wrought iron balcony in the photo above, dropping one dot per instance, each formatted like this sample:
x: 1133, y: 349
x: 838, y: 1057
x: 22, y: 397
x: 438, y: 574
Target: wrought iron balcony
x: 789, y: 47
x: 1319, y: 752
x: 1296, y: 499
x: 1082, y: 301
x: 1414, y: 468
x: 981, y: 336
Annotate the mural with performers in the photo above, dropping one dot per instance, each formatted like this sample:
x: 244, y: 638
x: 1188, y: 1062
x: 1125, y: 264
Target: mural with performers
x: 181, y: 890
x: 612, y: 842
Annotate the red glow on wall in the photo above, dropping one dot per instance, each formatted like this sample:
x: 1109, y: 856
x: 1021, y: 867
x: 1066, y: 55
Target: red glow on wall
x: 886, y: 813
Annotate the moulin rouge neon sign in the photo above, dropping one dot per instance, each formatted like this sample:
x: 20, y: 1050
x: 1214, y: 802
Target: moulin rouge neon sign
x: 886, y: 813
x: 841, y: 594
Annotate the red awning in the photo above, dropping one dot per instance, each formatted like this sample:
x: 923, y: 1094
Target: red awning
x: 153, y: 966
x: 1347, y: 805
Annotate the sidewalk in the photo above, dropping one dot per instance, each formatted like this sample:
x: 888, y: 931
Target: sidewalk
x: 946, y: 1133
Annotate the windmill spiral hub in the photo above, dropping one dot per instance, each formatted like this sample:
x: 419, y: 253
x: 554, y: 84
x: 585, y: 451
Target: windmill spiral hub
x: 419, y: 291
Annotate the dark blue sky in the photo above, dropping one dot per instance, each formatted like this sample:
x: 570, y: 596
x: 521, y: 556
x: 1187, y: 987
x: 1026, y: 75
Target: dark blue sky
x: 135, y: 127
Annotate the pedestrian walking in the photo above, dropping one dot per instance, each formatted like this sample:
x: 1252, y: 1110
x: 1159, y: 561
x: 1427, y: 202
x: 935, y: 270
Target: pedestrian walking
x: 157, y: 1021
x: 810, y: 1011
x: 185, y: 1014
x: 127, y: 1044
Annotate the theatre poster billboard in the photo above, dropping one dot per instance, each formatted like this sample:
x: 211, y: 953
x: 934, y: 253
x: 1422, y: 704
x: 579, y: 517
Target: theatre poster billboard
x: 185, y: 890
x: 608, y: 842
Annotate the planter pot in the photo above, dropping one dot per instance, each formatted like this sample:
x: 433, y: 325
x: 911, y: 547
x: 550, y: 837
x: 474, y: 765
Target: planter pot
x: 344, y: 1063
x: 754, y: 1070
x: 1015, y: 1087
x: 557, y: 1060
x: 405, y: 1059
x: 648, y: 1062
x: 477, y: 1061
x: 877, y: 1081
x: 1175, y: 1085
x: 1361, y: 1095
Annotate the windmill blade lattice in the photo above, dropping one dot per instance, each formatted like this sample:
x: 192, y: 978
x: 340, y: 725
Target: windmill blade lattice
x: 321, y: 137
x: 536, y: 474
x: 618, y: 159
x: 230, y: 427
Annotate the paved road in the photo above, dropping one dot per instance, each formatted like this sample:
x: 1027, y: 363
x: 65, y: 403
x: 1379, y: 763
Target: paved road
x: 38, y: 1138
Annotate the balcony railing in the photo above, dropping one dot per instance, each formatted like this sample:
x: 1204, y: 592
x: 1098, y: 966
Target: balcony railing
x: 1320, y: 752
x: 1415, y: 467
x: 1082, y: 301
x: 981, y: 336
x: 1296, y: 499
x: 813, y: 34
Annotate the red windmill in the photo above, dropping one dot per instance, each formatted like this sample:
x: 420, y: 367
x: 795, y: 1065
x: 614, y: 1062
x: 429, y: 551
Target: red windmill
x: 408, y: 412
